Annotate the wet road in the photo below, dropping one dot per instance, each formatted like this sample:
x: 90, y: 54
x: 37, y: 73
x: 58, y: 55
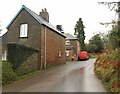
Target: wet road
x: 71, y: 77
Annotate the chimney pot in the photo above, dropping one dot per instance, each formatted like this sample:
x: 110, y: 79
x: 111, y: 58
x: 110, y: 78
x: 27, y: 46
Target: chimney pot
x: 42, y: 10
x: 45, y: 9
x: 44, y: 14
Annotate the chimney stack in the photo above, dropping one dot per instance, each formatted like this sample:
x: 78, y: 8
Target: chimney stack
x: 44, y: 14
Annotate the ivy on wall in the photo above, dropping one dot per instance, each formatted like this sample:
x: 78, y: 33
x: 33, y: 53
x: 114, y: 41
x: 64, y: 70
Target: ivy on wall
x: 23, y: 59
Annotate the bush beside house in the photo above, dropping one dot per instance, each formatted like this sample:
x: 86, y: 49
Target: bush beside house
x: 8, y: 75
x: 107, y: 68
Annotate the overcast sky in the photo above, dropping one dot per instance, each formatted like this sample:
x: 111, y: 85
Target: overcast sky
x: 63, y: 12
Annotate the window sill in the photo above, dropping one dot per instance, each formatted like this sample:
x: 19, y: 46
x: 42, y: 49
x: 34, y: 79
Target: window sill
x: 23, y: 37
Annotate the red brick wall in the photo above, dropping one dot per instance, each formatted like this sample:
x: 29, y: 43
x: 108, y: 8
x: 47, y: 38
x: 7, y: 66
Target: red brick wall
x: 71, y: 54
x: 55, y: 44
x: 76, y: 48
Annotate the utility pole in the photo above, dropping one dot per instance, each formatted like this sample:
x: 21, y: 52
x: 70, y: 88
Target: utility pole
x: 45, y: 48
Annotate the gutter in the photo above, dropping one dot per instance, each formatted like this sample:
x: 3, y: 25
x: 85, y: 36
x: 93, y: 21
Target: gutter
x: 45, y: 48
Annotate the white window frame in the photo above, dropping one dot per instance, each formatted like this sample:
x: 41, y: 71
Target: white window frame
x: 23, y: 30
x: 67, y: 53
x: 67, y: 42
x: 60, y: 54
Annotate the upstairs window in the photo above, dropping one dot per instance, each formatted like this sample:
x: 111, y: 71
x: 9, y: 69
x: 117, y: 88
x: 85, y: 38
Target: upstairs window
x: 23, y: 30
x: 67, y: 42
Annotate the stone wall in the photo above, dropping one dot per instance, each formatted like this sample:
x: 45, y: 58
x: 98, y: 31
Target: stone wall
x: 23, y: 59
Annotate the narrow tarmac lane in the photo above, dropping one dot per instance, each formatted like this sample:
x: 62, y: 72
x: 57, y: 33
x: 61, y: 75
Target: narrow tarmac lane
x: 76, y: 76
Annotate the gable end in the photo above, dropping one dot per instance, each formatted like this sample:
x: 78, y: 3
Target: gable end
x: 23, y: 8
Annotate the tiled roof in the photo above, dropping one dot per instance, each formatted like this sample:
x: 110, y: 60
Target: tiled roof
x: 37, y: 18
x: 69, y: 36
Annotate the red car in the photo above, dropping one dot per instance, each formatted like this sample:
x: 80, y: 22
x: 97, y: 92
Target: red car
x: 83, y: 55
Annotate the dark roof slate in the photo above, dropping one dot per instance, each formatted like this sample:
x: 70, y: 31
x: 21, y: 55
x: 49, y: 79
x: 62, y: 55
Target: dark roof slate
x: 38, y: 18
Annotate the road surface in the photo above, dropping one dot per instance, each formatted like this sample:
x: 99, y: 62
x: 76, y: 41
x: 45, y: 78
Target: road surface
x: 76, y: 76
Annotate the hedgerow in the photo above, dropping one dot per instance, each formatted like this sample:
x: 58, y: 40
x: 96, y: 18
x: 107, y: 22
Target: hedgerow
x: 107, y: 68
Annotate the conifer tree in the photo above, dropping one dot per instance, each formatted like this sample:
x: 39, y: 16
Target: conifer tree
x: 80, y: 34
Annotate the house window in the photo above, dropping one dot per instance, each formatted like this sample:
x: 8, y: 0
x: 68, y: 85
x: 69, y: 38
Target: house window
x: 23, y: 30
x: 67, y: 53
x: 67, y: 42
x: 60, y: 54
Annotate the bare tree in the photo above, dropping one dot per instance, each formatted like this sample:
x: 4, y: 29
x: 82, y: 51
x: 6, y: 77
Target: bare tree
x: 112, y: 6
